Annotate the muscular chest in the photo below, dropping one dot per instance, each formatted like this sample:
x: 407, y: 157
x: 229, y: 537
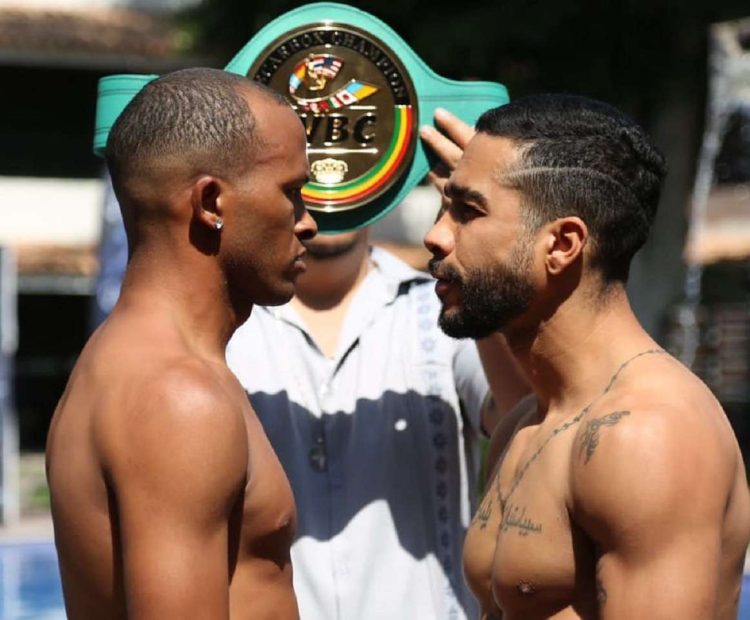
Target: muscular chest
x: 537, y: 560
x: 267, y: 513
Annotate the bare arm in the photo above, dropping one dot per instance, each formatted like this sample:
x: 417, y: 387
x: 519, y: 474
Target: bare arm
x: 177, y: 476
x: 651, y: 494
x: 507, y: 383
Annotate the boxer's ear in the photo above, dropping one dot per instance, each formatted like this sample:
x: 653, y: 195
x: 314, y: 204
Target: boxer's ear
x: 206, y: 197
x: 566, y: 239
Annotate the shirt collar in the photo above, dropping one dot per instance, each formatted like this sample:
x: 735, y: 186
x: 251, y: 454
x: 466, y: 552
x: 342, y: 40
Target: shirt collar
x: 388, y: 279
x: 393, y: 268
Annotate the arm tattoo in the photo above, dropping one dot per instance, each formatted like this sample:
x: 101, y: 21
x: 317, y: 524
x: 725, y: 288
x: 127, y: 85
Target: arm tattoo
x: 590, y: 437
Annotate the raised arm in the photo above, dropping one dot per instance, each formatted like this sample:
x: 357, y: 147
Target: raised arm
x: 176, y: 489
x: 651, y: 494
x: 507, y: 383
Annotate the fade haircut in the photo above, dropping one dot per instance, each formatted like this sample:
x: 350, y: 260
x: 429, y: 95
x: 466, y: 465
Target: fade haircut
x: 197, y: 117
x: 582, y: 157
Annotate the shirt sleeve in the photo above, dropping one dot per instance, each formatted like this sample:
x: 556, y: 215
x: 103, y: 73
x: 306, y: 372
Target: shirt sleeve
x: 471, y: 382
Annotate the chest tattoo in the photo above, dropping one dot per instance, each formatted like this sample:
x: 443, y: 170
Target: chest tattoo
x: 515, y: 518
x: 589, y: 442
x: 484, y: 512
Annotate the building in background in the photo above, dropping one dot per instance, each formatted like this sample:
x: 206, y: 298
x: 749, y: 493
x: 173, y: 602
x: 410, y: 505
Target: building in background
x: 710, y: 330
x: 52, y: 189
x: 52, y: 54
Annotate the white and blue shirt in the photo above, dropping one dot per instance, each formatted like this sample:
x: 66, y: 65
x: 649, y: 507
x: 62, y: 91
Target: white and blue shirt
x: 379, y: 444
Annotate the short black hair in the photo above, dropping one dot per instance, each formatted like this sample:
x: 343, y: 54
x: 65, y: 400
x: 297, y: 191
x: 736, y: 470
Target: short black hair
x: 196, y: 115
x: 583, y: 157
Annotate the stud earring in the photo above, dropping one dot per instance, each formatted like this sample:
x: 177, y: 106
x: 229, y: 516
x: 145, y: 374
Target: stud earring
x: 218, y: 223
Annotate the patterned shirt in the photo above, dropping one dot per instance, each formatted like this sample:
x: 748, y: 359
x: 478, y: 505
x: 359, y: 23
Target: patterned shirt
x: 380, y: 446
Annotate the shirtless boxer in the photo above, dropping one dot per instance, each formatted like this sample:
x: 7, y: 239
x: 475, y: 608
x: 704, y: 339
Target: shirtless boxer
x: 167, y: 500
x: 623, y: 494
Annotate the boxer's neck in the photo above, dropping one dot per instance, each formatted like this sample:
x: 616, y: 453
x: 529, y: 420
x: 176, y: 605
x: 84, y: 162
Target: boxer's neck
x: 571, y: 354
x: 191, y: 291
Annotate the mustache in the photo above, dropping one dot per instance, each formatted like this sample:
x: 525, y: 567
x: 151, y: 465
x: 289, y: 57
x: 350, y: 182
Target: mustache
x: 441, y: 271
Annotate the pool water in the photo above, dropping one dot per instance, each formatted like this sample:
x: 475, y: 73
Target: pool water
x: 30, y: 584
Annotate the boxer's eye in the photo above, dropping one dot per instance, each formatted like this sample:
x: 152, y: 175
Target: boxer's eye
x: 463, y: 211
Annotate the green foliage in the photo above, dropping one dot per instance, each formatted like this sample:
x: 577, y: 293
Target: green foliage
x: 39, y: 499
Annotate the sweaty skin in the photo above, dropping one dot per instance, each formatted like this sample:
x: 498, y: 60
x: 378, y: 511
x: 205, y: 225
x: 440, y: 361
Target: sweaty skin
x: 622, y: 493
x: 162, y: 477
x: 577, y: 501
x: 167, y: 499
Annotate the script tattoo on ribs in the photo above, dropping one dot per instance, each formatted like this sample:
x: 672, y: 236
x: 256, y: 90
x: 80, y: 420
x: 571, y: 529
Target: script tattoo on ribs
x: 514, y: 517
x: 590, y: 437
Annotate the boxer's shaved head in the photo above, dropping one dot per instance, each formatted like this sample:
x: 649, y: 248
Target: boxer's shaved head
x: 194, y: 120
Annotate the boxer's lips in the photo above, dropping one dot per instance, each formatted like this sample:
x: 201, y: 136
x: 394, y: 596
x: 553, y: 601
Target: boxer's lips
x: 445, y: 281
x: 443, y: 286
x: 299, y: 262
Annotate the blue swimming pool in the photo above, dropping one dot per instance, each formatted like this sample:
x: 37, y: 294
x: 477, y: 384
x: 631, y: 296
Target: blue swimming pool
x: 30, y: 584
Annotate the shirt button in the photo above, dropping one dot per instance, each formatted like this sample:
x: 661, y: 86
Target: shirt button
x: 318, y: 459
x: 324, y: 388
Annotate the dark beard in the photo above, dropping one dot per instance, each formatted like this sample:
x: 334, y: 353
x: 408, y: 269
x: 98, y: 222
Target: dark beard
x: 489, y: 299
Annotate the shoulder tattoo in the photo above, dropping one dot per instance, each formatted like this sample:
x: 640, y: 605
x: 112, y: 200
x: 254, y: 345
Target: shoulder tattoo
x: 590, y: 437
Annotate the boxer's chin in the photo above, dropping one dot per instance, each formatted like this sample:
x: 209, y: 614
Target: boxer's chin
x: 489, y: 300
x: 454, y: 323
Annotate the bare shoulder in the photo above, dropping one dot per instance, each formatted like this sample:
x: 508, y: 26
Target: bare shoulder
x: 178, y: 418
x: 648, y: 449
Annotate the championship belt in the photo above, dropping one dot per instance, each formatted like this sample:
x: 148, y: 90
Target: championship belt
x: 361, y: 93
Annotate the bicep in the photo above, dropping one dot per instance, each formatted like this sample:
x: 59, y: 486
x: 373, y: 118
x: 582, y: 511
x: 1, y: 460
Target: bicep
x: 176, y: 488
x: 174, y: 555
x: 656, y: 522
x: 669, y: 575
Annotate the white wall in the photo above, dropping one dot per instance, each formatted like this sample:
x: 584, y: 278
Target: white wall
x: 64, y: 212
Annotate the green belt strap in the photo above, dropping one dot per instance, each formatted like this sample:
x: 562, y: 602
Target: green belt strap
x: 467, y: 100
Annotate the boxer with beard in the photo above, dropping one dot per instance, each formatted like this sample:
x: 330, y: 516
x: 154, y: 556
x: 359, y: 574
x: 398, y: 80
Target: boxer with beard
x: 623, y: 493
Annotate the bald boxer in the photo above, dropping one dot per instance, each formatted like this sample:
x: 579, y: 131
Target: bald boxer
x: 167, y: 499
